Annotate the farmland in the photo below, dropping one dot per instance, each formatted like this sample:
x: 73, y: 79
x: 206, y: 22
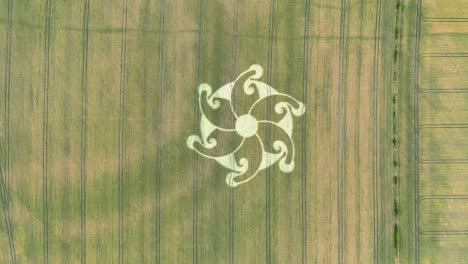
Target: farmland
x: 433, y: 168
x: 98, y: 98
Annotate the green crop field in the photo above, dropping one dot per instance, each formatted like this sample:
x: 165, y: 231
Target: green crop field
x: 209, y: 131
x: 433, y: 132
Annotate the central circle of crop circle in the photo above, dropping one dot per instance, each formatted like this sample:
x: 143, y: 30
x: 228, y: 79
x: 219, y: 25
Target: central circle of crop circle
x: 246, y: 125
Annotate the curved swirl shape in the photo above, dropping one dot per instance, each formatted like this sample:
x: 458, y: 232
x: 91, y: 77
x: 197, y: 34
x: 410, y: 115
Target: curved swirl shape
x: 246, y: 126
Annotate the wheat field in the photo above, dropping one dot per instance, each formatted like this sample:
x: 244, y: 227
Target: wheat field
x: 98, y: 100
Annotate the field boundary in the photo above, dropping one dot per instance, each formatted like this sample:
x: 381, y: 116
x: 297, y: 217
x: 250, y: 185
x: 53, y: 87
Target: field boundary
x: 341, y: 123
x: 415, y: 128
x: 4, y: 177
x: 375, y: 168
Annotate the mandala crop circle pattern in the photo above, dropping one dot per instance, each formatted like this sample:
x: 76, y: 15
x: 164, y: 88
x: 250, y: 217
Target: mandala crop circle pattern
x: 251, y: 130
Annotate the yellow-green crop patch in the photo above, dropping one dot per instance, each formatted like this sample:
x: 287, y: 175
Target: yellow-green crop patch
x: 443, y: 144
x: 443, y: 73
x: 443, y: 37
x: 441, y: 9
x: 443, y: 178
x: 443, y: 108
x: 434, y: 132
x: 443, y: 214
